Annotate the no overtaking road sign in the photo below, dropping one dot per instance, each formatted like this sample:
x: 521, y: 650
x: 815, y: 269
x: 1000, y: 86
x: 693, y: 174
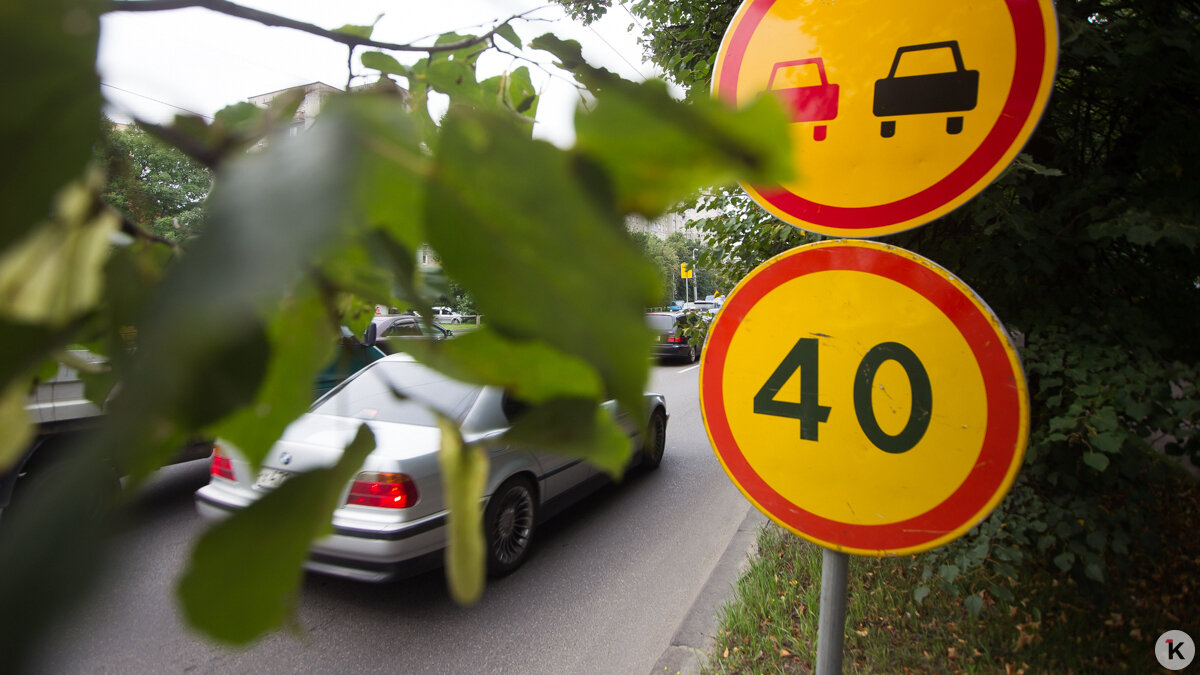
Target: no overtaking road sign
x: 901, y: 110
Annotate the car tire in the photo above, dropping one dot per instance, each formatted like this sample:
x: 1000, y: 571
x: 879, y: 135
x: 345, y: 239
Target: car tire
x: 691, y: 355
x: 654, y: 440
x: 94, y: 482
x: 455, y: 321
x: 509, y: 523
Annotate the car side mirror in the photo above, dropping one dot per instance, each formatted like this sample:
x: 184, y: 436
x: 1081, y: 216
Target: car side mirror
x: 370, y: 335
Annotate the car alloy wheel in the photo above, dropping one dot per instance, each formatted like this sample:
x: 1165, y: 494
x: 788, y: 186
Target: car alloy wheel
x: 509, y: 523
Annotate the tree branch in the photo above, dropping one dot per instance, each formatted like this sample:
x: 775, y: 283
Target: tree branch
x: 269, y: 19
x: 189, y: 145
x: 138, y: 232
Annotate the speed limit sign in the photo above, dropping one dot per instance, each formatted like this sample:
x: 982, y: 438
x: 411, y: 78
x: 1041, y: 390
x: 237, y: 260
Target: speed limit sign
x: 864, y: 398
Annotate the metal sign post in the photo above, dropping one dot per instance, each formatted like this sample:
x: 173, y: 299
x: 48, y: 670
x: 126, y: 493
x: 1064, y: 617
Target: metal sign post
x: 831, y: 623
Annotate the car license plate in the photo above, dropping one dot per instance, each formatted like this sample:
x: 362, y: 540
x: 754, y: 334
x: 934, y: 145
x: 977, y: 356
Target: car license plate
x: 269, y: 479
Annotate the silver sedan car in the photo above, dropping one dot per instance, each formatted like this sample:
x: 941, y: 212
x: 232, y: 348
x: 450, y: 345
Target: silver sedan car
x: 392, y: 518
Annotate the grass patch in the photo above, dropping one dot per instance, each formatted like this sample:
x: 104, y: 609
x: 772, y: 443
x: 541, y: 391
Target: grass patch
x: 1056, y: 624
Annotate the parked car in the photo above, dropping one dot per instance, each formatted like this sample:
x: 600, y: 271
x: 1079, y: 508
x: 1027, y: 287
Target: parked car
x: 392, y: 331
x: 708, y: 306
x: 392, y: 516
x: 678, y: 335
x: 63, y: 414
x: 447, y: 315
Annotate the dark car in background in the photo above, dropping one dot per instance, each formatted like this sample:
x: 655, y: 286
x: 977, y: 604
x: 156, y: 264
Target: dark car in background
x: 678, y: 335
x: 392, y: 331
x: 352, y: 356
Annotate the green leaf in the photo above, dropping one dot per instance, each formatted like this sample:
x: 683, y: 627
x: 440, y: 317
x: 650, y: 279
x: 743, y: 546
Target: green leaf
x: 1107, y: 442
x: 393, y: 167
x: 245, y: 115
x: 1064, y: 561
x: 573, y: 428
x: 513, y: 223
x: 659, y: 150
x: 15, y: 421
x: 1001, y: 593
x: 507, y: 32
x: 56, y: 273
x: 1007, y: 570
x: 245, y: 571
x: 302, y: 342
x: 920, y: 593
x: 363, y: 32
x: 974, y: 604
x: 949, y: 573
x: 1096, y: 460
x: 532, y: 371
x: 456, y: 79
x: 22, y: 347
x: 1105, y: 419
x: 384, y: 63
x: 201, y: 335
x: 49, y: 53
x: 522, y: 95
x: 464, y: 479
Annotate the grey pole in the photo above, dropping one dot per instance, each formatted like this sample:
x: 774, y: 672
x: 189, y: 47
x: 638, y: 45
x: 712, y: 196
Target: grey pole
x: 696, y: 284
x: 831, y: 624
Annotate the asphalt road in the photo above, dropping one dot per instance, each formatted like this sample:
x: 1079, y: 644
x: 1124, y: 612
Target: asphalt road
x: 610, y: 583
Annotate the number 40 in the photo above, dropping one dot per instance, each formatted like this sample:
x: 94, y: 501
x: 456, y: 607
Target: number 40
x: 810, y: 413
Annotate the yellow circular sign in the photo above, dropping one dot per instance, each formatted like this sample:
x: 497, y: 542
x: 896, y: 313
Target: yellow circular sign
x: 901, y: 111
x: 864, y: 398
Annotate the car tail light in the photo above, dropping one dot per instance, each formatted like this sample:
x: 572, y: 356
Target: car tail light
x: 677, y: 339
x: 385, y: 490
x: 222, y: 466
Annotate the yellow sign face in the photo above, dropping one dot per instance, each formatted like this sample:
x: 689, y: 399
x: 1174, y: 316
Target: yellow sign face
x: 901, y: 111
x: 864, y: 398
x: 685, y: 271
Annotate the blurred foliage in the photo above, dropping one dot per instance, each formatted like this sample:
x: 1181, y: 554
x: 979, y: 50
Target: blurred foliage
x: 153, y: 184
x: 667, y: 255
x: 1086, y: 247
x: 304, y: 233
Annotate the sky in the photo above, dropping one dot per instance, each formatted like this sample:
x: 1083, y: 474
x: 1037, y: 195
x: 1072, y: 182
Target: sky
x: 154, y: 65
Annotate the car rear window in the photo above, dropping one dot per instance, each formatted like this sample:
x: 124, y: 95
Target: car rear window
x: 660, y: 323
x: 400, y: 391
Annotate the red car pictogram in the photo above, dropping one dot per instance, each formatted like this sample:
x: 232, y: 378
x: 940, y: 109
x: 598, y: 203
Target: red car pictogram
x: 816, y: 103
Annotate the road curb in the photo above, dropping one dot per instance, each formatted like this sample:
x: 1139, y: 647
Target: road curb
x: 697, y: 631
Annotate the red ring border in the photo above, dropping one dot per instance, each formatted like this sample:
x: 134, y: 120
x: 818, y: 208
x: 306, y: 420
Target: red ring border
x: 1004, y: 409
x: 1030, y: 33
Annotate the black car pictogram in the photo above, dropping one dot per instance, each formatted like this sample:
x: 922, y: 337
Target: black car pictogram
x: 945, y: 92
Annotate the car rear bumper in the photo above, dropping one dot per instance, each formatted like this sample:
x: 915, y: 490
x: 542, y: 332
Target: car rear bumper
x: 671, y: 351
x: 359, y: 550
